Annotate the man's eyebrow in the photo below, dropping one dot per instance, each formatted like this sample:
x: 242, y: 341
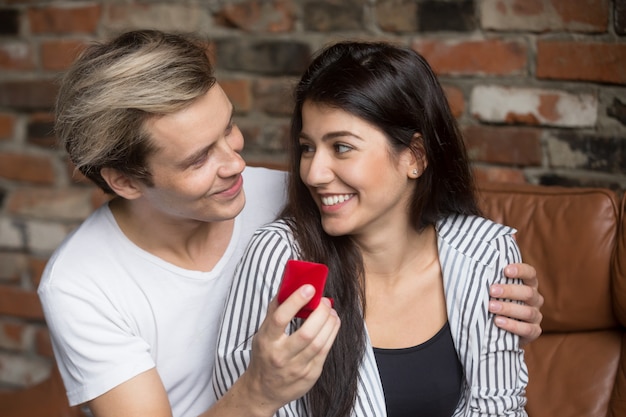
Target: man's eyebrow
x: 189, y: 160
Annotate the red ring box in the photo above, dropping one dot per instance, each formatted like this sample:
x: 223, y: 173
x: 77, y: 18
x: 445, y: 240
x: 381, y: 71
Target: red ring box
x: 297, y: 273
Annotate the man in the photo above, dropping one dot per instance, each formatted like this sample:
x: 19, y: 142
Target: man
x: 133, y: 298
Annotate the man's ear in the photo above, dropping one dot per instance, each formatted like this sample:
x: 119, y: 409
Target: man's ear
x: 418, y: 159
x: 121, y: 184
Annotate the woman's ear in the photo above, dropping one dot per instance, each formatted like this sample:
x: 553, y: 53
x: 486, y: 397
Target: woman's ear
x: 418, y: 160
x: 123, y: 185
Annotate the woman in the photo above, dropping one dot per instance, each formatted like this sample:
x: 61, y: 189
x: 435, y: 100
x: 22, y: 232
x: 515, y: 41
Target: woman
x: 381, y: 191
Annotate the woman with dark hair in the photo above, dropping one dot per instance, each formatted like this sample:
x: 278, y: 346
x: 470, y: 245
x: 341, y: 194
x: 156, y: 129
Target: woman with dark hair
x: 381, y: 191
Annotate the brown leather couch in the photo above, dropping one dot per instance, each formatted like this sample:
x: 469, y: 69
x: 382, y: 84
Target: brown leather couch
x: 576, y: 239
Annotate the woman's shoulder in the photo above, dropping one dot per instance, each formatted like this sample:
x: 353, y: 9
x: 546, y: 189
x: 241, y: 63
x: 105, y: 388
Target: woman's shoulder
x: 474, y: 237
x: 273, y: 241
x: 472, y: 227
x: 277, y: 232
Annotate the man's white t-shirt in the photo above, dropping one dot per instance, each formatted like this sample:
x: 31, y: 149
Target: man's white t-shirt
x: 115, y: 310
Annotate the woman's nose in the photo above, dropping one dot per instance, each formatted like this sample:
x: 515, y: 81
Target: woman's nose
x: 316, y: 170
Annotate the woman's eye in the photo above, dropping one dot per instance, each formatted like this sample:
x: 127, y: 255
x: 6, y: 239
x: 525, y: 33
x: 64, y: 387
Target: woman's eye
x: 304, y: 148
x: 341, y: 148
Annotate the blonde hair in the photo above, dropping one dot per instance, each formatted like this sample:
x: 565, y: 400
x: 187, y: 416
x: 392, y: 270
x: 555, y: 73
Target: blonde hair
x: 114, y: 87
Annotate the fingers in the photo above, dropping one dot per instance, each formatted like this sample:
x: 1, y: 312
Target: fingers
x: 517, y: 292
x: 521, y: 319
x: 318, y: 332
x: 525, y: 272
x: 278, y: 317
x: 287, y: 365
x: 526, y: 331
x: 516, y: 311
x: 314, y: 336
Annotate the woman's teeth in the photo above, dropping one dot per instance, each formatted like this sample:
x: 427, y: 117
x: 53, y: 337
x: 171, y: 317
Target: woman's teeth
x: 335, y: 199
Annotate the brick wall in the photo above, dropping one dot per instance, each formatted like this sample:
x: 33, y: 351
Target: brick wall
x: 538, y: 86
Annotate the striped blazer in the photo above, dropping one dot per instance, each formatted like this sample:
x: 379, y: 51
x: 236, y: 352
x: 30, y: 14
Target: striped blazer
x: 472, y: 252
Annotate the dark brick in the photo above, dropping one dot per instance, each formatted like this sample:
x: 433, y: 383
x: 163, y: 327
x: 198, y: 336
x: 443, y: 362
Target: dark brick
x: 620, y: 17
x: 602, y: 153
x: 618, y: 111
x: 41, y: 133
x: 9, y: 22
x: 275, y: 57
x: 329, y: 16
x: 578, y: 181
x: 439, y: 16
x: 274, y: 96
x: 28, y: 95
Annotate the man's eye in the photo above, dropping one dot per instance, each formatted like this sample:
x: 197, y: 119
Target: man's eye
x: 199, y: 162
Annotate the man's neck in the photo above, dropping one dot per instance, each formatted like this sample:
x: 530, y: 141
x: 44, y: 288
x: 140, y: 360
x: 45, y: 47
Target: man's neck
x: 186, y: 243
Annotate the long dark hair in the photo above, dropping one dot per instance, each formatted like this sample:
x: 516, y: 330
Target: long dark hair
x: 393, y: 88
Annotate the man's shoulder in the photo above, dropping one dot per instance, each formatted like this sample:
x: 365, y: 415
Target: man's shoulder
x: 264, y: 176
x: 84, y: 247
x: 265, y: 190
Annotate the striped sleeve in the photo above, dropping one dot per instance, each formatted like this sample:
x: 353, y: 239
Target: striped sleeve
x: 256, y: 281
x: 473, y: 254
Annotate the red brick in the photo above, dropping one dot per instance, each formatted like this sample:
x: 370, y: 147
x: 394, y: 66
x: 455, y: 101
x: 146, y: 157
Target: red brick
x: 503, y: 145
x: 494, y: 57
x: 238, y: 91
x: 43, y: 344
x: 600, y: 62
x: 16, y: 56
x: 7, y: 125
x: 20, y: 303
x: 80, y: 19
x: 59, y: 54
x: 35, y: 269
x: 259, y: 16
x: 13, y: 332
x: 497, y: 174
x: 456, y: 100
x: 586, y: 16
x: 27, y: 168
x: 594, y: 13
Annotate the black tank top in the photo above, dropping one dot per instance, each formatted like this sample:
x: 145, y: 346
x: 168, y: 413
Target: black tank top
x: 423, y: 380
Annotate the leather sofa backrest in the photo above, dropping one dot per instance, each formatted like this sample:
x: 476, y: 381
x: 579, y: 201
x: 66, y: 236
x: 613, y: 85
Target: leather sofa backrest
x: 570, y: 236
x: 618, y: 400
